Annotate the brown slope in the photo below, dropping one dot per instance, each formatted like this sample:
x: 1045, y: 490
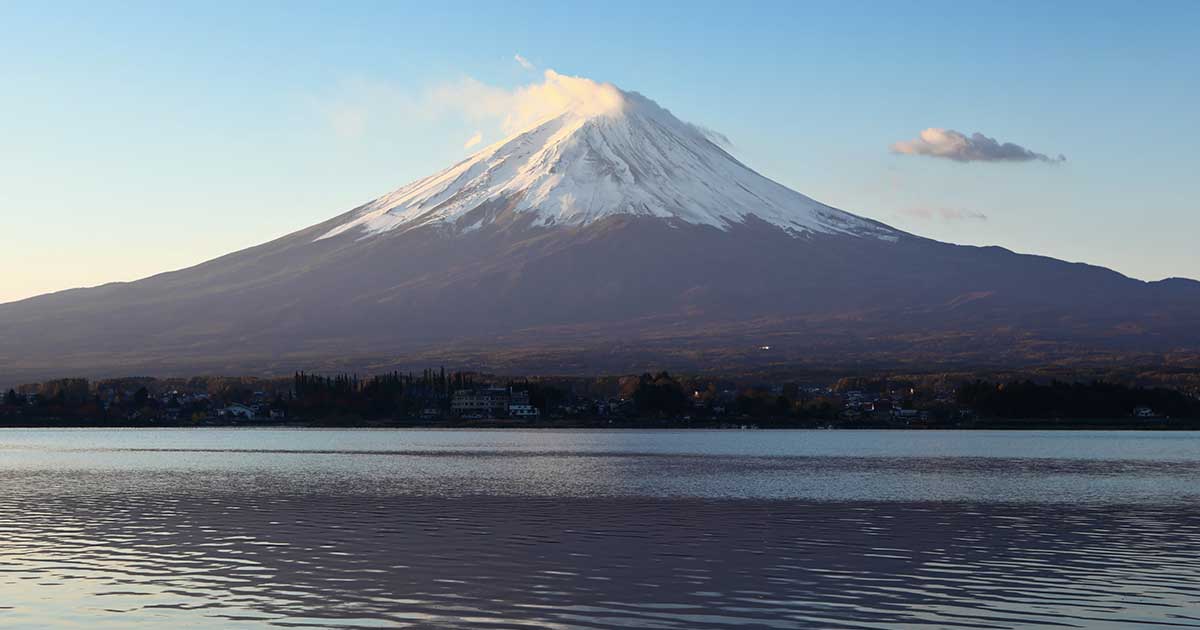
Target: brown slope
x: 645, y: 285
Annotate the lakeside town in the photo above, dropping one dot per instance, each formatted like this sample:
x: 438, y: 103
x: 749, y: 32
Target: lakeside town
x: 435, y: 397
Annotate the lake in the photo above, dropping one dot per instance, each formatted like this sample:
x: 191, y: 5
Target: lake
x: 252, y: 529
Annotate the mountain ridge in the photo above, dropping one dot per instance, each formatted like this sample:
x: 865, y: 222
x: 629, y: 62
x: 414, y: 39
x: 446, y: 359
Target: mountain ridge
x: 496, y: 262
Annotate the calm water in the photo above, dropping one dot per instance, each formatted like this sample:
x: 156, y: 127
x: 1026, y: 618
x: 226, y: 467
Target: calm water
x: 617, y: 529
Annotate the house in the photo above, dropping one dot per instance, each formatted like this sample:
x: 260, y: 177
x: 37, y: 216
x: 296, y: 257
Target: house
x: 236, y: 411
x: 489, y: 401
x: 519, y: 406
x: 524, y: 412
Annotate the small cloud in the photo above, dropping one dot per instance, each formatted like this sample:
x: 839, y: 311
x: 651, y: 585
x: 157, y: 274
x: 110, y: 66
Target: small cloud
x: 525, y: 63
x: 943, y: 214
x: 348, y: 121
x: 474, y: 140
x: 954, y: 145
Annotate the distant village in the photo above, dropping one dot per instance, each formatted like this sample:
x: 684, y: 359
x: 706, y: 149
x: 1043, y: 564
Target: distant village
x: 437, y: 398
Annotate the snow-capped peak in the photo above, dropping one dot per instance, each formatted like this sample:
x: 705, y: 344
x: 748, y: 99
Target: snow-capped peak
x: 601, y: 151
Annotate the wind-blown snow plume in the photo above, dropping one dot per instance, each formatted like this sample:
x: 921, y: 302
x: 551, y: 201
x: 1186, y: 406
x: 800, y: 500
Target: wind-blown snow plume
x: 561, y: 93
x: 520, y: 108
x: 953, y: 145
x: 363, y: 107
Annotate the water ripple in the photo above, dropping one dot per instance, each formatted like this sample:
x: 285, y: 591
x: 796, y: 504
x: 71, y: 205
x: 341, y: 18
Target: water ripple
x: 370, y: 541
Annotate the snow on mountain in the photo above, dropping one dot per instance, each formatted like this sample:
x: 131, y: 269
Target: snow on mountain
x: 611, y: 152
x: 693, y: 281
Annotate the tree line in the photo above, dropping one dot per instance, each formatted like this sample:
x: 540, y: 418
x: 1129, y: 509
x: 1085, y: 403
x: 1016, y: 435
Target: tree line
x: 1058, y: 399
x: 382, y: 396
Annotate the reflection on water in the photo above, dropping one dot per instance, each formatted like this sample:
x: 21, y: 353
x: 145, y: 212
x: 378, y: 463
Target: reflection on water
x: 424, y: 532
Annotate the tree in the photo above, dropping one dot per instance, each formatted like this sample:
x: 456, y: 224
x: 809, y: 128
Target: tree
x: 11, y: 399
x: 659, y: 394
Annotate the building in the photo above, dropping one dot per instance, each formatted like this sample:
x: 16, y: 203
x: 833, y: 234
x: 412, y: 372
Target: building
x: 492, y: 402
x: 909, y: 414
x: 523, y: 412
x: 237, y: 411
x: 482, y: 403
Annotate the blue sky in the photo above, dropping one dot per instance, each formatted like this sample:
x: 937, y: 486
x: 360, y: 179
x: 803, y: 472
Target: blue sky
x: 142, y: 137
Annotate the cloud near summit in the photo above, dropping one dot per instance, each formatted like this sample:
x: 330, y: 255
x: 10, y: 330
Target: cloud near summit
x: 957, y: 146
x: 490, y: 109
x: 521, y: 107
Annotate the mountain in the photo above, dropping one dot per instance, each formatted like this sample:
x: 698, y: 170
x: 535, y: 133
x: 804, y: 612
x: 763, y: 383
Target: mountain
x: 576, y: 168
x: 609, y: 235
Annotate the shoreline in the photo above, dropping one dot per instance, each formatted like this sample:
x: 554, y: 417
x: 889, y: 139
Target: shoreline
x: 1094, y: 424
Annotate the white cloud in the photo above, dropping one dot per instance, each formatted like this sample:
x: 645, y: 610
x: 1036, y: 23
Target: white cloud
x: 520, y: 108
x: 474, y: 140
x: 954, y: 145
x: 525, y: 63
x: 384, y: 106
x: 943, y: 214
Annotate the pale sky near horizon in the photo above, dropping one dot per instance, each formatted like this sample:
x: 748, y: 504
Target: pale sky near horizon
x: 145, y: 137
